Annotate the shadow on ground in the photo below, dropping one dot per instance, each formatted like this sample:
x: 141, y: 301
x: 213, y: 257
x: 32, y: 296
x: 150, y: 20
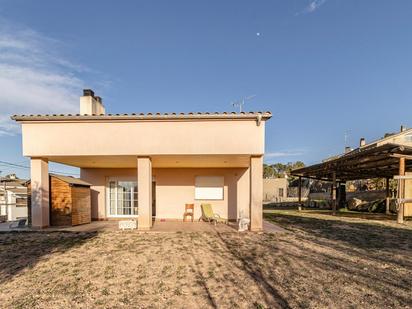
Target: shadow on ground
x: 355, y: 234
x: 20, y: 250
x: 321, y: 263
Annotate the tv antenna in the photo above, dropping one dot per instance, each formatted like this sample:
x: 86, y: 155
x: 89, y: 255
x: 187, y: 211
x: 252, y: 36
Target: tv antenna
x: 241, y: 102
x: 346, y: 137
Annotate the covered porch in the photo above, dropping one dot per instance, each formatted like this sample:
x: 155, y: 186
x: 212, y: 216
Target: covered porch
x: 152, y: 189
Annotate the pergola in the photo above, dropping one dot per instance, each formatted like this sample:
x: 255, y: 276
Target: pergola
x: 383, y: 161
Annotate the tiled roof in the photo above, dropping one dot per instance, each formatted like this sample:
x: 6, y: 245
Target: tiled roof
x: 71, y: 180
x: 68, y: 179
x: 148, y: 116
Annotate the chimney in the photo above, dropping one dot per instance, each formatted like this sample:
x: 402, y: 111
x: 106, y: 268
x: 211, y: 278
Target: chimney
x: 91, y: 104
x: 362, y: 142
x: 348, y: 149
x: 402, y: 128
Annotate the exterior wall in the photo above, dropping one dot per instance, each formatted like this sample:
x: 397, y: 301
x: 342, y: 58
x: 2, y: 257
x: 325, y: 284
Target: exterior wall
x: 17, y: 212
x: 404, y: 138
x: 99, y: 178
x: 407, y: 208
x: 13, y: 210
x: 271, y: 189
x: 174, y: 188
x: 196, y: 137
x: 362, y: 195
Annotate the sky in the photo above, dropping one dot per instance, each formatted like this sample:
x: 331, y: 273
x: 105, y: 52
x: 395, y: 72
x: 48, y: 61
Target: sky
x: 326, y: 69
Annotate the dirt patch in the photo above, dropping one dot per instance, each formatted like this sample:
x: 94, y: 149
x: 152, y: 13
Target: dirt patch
x: 305, y: 268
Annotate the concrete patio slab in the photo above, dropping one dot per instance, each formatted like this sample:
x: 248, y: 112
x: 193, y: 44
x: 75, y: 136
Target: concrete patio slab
x: 158, y: 227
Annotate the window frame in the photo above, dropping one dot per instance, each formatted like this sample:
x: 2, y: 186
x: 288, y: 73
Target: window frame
x: 132, y: 194
x: 220, y: 187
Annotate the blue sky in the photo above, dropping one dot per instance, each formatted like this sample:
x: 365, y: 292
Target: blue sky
x: 322, y: 67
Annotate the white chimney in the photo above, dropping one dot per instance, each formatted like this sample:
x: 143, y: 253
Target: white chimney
x: 348, y: 149
x: 91, y: 104
x: 362, y: 142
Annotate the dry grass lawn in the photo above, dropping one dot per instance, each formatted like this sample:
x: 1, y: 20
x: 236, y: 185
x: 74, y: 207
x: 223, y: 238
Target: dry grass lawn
x: 320, y: 263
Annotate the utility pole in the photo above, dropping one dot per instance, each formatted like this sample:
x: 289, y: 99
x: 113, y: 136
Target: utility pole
x: 4, y: 195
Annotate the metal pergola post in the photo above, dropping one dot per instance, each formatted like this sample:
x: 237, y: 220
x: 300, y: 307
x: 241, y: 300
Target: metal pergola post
x: 300, y: 194
x: 387, y: 196
x: 333, y: 193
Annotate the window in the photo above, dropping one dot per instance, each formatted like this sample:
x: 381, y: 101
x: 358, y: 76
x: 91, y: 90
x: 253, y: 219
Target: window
x: 122, y: 198
x: 280, y: 192
x: 209, y: 187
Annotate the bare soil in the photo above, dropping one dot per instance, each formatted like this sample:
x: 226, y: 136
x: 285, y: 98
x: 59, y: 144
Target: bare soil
x: 320, y: 263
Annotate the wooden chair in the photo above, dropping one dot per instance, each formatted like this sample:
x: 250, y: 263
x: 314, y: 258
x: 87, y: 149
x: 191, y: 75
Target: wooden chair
x: 189, y: 211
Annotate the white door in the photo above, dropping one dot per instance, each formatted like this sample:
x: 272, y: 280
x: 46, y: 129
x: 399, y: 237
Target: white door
x: 122, y: 198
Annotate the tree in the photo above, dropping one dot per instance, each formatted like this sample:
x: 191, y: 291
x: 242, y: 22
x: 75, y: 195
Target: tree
x: 280, y: 170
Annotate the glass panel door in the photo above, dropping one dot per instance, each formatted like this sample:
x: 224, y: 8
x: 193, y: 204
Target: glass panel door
x: 123, y: 198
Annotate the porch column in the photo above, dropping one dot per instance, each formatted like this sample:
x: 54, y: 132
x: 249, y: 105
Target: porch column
x: 256, y: 193
x: 40, y: 209
x: 144, y: 187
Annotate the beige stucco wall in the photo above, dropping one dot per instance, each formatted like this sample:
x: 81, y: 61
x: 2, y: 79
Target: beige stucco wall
x: 174, y: 188
x: 48, y: 138
x: 271, y: 189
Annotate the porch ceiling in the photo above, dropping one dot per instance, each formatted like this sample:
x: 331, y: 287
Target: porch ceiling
x: 163, y: 161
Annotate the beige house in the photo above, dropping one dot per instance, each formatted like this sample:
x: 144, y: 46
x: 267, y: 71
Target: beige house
x: 13, y: 198
x: 148, y: 166
x: 275, y: 189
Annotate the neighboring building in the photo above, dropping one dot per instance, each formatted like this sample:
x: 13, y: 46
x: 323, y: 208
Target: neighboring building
x: 275, y: 189
x: 13, y: 198
x: 144, y: 165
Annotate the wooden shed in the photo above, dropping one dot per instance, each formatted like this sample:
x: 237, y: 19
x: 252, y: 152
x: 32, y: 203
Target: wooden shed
x: 70, y: 202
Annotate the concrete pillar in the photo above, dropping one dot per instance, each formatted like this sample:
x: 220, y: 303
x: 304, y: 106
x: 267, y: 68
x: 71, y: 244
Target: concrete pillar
x: 144, y: 187
x: 256, y: 193
x: 40, y: 206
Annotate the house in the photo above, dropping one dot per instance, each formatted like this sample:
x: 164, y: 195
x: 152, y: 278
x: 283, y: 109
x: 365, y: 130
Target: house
x: 69, y: 201
x: 275, y: 189
x: 148, y: 166
x: 13, y: 198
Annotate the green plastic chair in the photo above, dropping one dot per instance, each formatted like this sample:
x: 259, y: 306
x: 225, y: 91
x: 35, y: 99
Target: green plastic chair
x: 209, y: 215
